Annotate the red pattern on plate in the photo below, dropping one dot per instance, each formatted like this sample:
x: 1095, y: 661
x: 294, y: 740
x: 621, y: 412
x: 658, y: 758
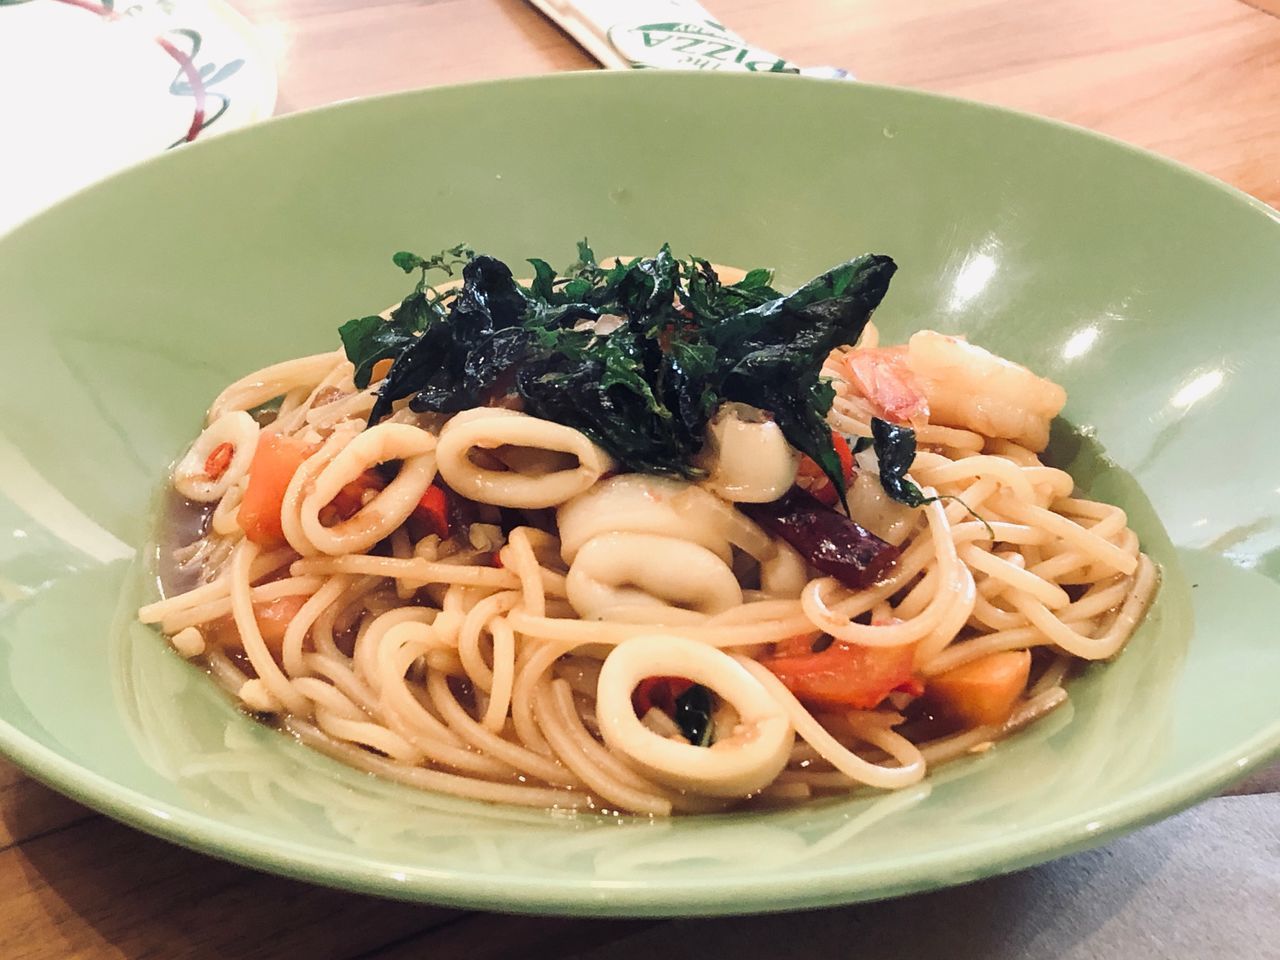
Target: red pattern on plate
x: 184, y: 63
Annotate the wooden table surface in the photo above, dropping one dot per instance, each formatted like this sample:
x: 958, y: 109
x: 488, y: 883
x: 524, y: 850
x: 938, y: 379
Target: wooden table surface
x: 1197, y: 80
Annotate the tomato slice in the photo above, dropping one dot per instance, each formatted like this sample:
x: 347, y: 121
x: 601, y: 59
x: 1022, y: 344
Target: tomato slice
x: 660, y: 692
x: 348, y: 501
x: 801, y: 645
x: 275, y: 460
x: 433, y: 512
x: 846, y: 675
x: 811, y: 477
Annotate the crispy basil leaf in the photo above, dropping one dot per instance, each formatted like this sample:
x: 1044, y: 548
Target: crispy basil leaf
x: 831, y: 308
x: 368, y: 340
x: 647, y: 289
x: 408, y: 262
x: 638, y: 355
x: 710, y: 301
x: 455, y: 359
x: 619, y: 418
x: 693, y: 716
x: 624, y: 367
x: 544, y: 279
x: 772, y: 354
x: 586, y: 264
x: 688, y: 391
x: 895, y: 448
x: 483, y: 369
x: 443, y: 261
x: 757, y: 279
x: 490, y: 300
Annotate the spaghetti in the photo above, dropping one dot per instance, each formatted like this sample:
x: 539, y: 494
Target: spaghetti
x: 489, y: 604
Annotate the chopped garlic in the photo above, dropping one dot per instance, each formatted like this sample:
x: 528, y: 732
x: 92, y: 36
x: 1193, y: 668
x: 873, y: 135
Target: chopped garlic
x: 189, y: 642
x: 486, y: 536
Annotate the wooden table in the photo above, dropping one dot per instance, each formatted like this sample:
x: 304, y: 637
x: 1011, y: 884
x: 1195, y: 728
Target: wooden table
x: 1197, y: 80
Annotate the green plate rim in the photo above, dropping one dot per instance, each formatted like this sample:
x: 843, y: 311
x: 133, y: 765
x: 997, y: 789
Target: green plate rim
x: 762, y: 894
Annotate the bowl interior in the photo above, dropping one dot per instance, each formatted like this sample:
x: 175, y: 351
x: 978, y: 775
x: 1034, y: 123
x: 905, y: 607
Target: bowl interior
x: 1151, y: 293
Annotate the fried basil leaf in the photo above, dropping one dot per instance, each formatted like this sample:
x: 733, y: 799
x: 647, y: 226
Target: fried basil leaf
x: 368, y: 340
x: 895, y: 448
x: 693, y: 716
x: 772, y: 354
x: 638, y: 354
x: 459, y: 357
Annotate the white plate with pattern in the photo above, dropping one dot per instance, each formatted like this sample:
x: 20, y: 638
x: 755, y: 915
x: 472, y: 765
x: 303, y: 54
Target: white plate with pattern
x: 88, y: 87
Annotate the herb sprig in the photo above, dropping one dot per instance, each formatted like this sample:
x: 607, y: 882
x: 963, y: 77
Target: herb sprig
x: 368, y: 340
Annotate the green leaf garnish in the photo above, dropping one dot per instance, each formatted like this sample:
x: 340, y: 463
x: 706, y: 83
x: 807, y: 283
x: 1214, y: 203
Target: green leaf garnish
x: 368, y: 340
x: 445, y: 261
x: 544, y: 280
x: 406, y: 261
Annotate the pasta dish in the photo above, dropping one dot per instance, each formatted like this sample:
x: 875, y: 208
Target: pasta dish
x: 645, y: 536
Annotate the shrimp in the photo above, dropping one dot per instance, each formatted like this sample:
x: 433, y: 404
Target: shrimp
x: 972, y: 388
x: 883, y: 377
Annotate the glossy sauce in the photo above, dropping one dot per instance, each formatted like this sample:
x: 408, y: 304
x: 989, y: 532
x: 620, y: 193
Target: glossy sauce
x: 182, y: 523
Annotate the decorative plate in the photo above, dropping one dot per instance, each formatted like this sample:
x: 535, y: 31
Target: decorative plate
x: 91, y: 86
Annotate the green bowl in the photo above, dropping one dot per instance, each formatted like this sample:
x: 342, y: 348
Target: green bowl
x: 1151, y: 292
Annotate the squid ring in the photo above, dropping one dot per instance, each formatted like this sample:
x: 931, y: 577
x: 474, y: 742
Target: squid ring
x: 494, y: 427
x: 190, y: 476
x: 639, y: 503
x: 625, y: 569
x: 737, y: 765
x: 386, y: 511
